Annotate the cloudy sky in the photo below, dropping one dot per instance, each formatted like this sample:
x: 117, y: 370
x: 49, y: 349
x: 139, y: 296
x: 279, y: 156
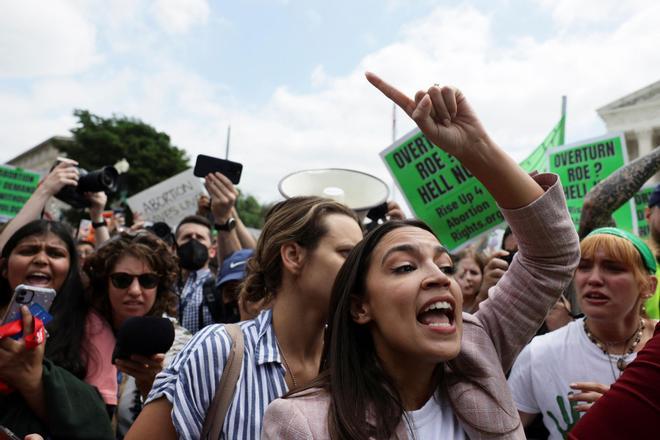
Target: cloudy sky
x: 288, y: 74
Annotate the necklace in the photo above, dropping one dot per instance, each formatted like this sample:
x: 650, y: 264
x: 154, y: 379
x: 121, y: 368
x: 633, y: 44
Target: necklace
x: 286, y: 365
x: 621, y: 362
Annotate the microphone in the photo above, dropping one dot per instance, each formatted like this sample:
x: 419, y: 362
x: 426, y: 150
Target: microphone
x: 143, y: 335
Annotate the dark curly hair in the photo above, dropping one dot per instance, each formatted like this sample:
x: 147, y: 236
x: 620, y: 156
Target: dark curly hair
x: 144, y: 246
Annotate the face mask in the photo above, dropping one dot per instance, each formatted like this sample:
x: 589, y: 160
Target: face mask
x: 193, y: 255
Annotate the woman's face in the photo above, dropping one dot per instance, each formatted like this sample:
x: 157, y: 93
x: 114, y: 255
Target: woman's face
x: 468, y: 275
x: 38, y: 260
x: 322, y: 264
x: 606, y: 288
x: 135, y: 299
x: 412, y: 302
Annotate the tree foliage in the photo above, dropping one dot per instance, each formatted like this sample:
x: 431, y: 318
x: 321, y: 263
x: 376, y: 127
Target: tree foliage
x: 101, y: 141
x: 251, y: 212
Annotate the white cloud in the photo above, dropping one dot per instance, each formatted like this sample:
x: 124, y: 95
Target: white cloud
x: 40, y: 38
x: 343, y: 121
x: 570, y: 12
x: 178, y: 16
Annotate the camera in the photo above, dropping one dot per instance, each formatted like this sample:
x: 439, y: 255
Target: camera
x: 104, y: 179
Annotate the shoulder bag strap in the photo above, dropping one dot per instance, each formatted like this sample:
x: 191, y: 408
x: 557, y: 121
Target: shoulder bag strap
x: 215, y: 417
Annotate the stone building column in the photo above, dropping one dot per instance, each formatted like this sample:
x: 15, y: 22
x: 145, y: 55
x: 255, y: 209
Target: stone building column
x: 645, y: 145
x: 644, y: 141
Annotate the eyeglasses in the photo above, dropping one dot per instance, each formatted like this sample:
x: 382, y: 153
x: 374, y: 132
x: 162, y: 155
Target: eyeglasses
x: 121, y: 280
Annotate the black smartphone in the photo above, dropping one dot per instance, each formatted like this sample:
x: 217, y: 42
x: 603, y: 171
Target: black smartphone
x: 509, y: 258
x: 208, y: 164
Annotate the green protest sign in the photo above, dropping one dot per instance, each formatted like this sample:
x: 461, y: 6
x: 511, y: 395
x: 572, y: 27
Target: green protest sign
x: 443, y: 193
x: 582, y: 165
x: 440, y: 191
x: 641, y: 202
x: 16, y: 186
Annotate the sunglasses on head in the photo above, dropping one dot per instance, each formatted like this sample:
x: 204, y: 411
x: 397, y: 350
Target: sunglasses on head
x: 122, y: 280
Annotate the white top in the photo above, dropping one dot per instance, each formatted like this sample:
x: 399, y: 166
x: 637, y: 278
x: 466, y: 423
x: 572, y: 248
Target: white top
x: 540, y: 378
x: 435, y: 420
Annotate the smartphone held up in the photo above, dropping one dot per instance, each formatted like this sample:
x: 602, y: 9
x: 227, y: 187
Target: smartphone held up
x: 37, y: 299
x: 205, y: 165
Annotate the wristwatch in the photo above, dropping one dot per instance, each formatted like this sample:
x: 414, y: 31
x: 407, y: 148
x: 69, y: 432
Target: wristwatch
x: 227, y: 226
x: 100, y: 224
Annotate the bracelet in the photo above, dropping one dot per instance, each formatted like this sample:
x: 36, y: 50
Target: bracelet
x: 100, y: 224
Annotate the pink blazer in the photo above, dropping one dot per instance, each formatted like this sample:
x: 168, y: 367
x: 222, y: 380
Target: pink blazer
x: 492, y: 337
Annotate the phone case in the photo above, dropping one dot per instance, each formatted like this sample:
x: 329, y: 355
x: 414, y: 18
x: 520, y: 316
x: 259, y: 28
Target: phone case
x: 208, y: 164
x: 39, y: 299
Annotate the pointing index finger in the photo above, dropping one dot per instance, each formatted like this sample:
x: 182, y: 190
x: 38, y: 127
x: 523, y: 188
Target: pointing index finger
x: 399, y: 98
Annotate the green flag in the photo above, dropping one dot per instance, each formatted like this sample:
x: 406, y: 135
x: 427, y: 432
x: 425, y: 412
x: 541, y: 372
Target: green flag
x: 537, y: 160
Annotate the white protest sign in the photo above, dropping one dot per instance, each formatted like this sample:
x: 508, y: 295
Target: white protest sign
x: 170, y: 200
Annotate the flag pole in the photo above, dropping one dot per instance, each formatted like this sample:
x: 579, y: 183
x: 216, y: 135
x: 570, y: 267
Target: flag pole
x: 228, y: 138
x: 392, y: 197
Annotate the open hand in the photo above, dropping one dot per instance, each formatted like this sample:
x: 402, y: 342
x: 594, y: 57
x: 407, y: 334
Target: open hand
x: 442, y: 113
x: 143, y: 369
x: 588, y: 393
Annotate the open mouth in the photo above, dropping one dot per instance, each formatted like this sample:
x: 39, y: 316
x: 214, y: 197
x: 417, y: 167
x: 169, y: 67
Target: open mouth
x: 37, y: 279
x: 595, y: 296
x: 132, y: 303
x: 438, y: 314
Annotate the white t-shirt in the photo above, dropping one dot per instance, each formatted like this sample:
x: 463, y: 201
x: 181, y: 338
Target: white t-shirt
x: 541, y: 375
x: 435, y: 420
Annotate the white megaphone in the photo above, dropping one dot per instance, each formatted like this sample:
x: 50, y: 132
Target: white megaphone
x: 355, y: 189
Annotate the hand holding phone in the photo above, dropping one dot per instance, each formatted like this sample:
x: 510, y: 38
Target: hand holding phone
x: 205, y: 165
x: 37, y: 299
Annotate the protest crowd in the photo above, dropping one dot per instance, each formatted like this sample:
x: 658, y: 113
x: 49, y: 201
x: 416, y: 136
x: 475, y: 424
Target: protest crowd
x: 323, y: 328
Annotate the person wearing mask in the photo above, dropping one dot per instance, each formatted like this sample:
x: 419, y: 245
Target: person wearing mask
x: 194, y: 244
x: 303, y: 244
x: 195, y: 248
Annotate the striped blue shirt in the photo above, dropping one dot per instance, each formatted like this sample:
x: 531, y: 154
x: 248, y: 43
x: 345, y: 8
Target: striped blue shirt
x: 190, y: 381
x: 191, y: 298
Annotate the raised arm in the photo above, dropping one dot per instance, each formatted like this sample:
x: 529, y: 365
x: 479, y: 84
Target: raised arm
x: 223, y: 198
x: 65, y: 173
x: 548, y: 243
x: 446, y: 119
x: 617, y: 189
x: 98, y: 201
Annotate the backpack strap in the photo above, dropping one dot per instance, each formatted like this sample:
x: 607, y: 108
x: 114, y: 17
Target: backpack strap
x: 215, y: 417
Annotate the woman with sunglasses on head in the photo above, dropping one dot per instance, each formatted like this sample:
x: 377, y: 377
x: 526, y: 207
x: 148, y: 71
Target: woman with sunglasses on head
x: 131, y: 275
x: 302, y: 245
x: 49, y: 396
x: 401, y: 359
x: 562, y: 373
